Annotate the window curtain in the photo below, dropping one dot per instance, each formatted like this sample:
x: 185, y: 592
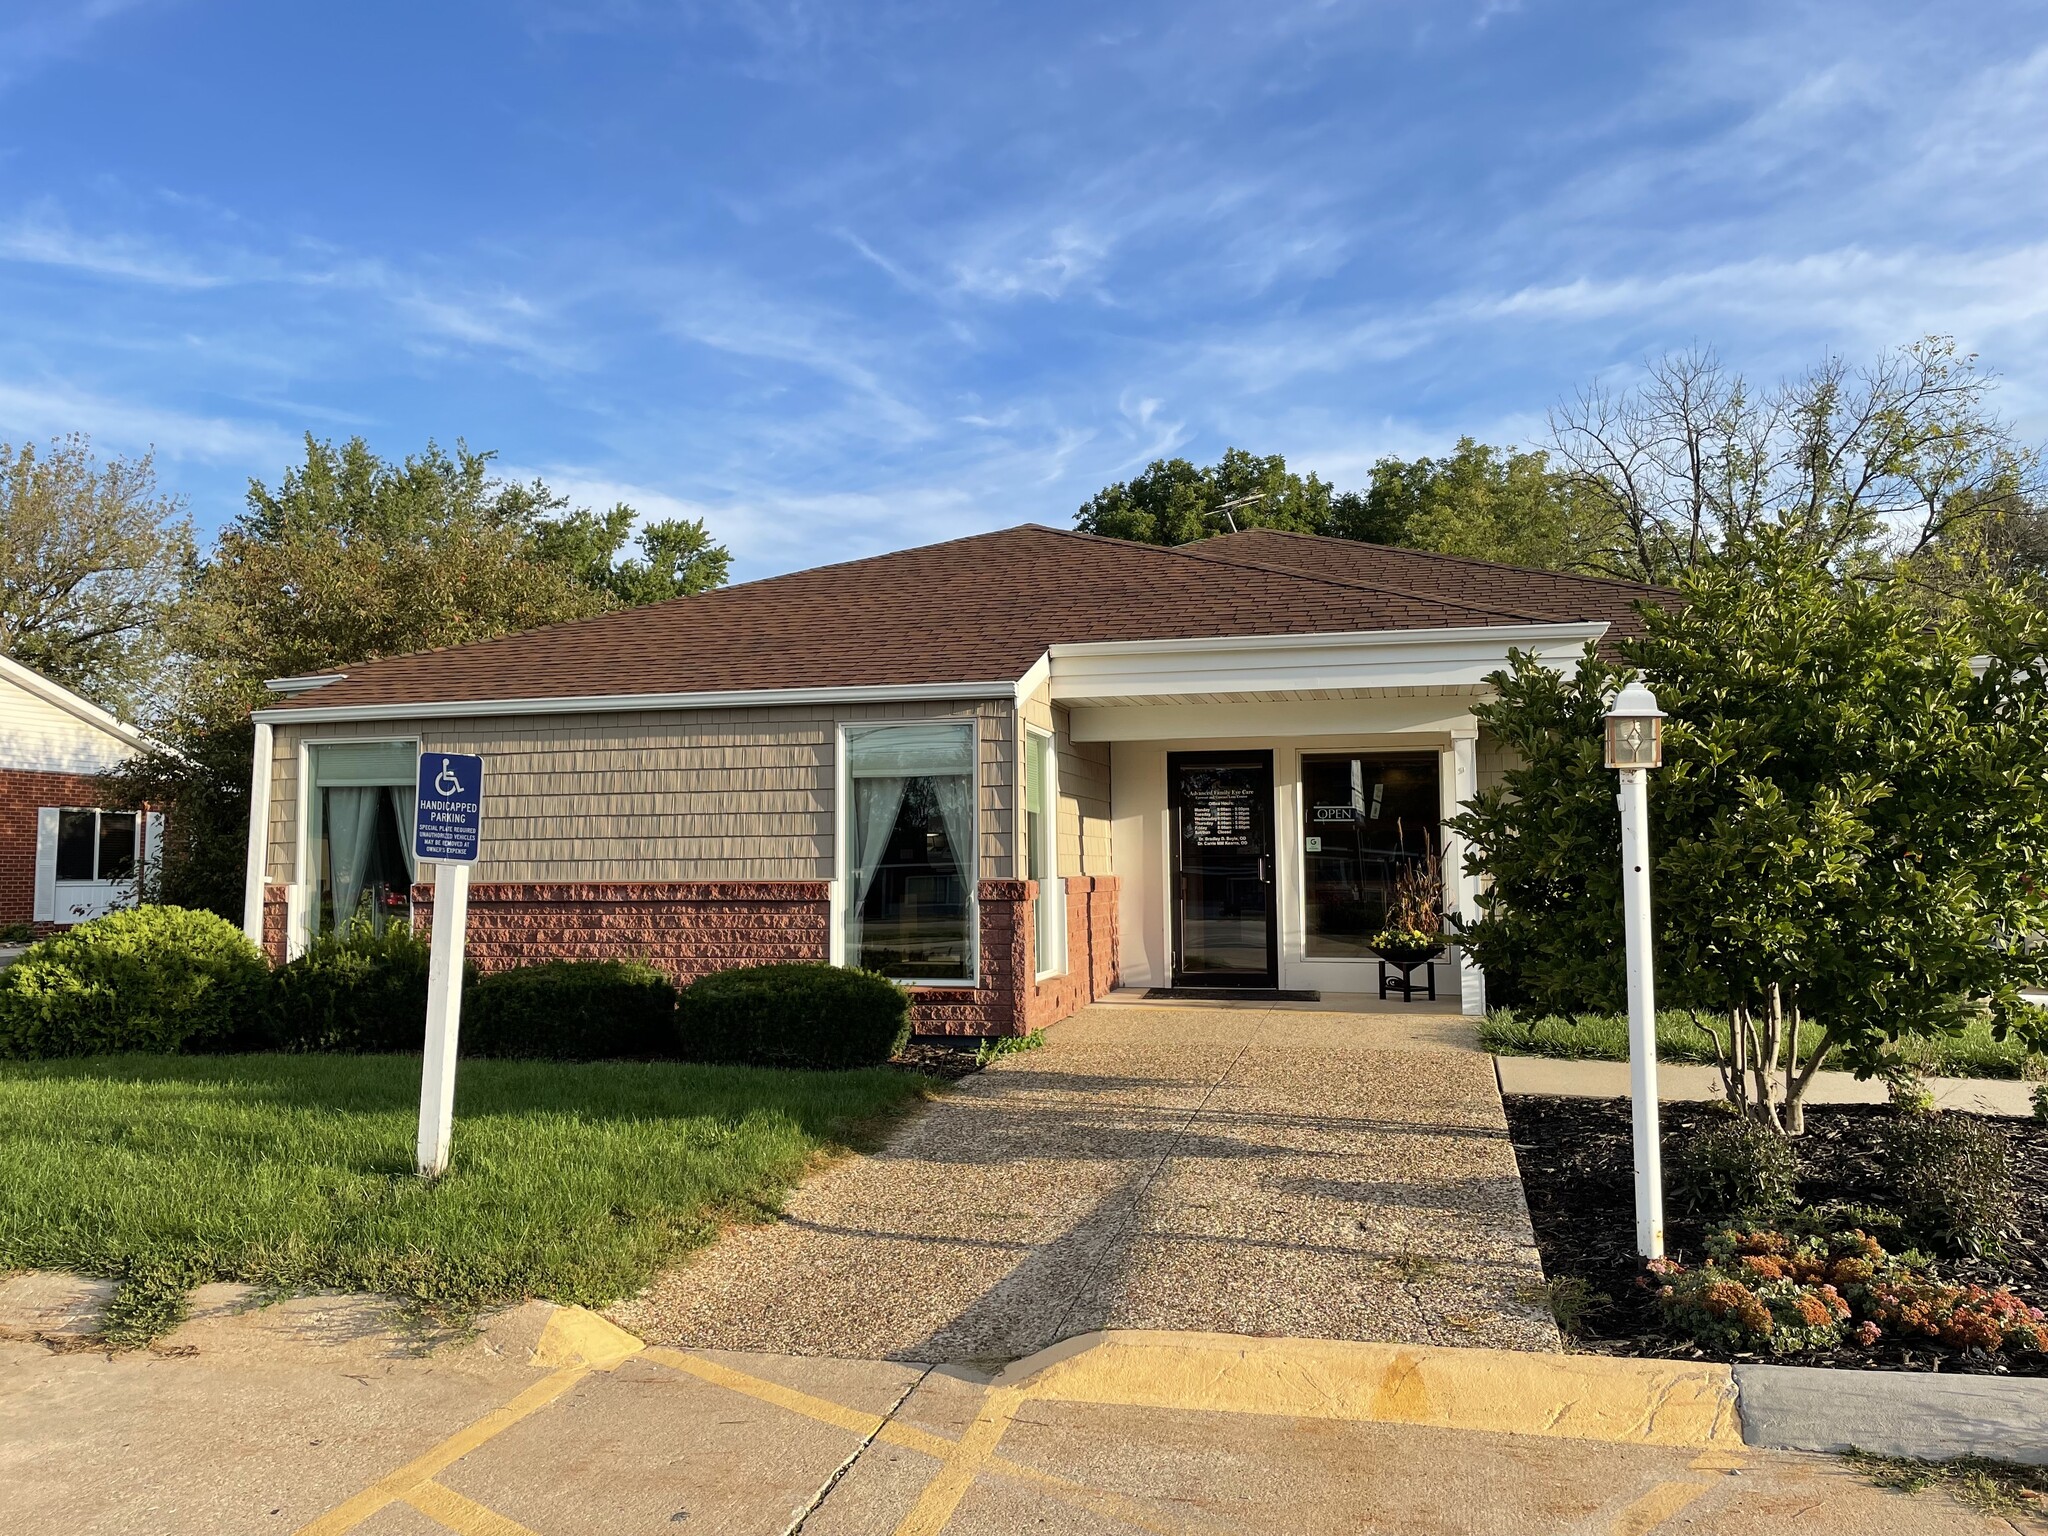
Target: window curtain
x: 351, y: 834
x: 404, y: 803
x: 955, y: 794
x: 877, y: 802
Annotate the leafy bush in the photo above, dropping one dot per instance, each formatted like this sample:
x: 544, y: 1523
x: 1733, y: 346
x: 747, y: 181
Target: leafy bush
x: 17, y: 933
x: 572, y: 1010
x: 144, y: 979
x: 1786, y: 1292
x: 354, y: 991
x: 1950, y: 1179
x: 1734, y: 1164
x: 805, y: 1015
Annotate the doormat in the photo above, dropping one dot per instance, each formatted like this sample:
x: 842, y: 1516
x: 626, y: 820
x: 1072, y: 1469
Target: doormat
x: 1234, y: 994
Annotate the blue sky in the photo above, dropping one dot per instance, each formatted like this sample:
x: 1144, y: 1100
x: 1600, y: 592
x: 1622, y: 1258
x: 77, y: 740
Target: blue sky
x: 845, y: 277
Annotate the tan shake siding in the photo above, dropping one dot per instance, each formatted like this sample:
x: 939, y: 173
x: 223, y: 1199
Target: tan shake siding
x: 1084, y: 787
x: 726, y: 794
x: 1493, y: 760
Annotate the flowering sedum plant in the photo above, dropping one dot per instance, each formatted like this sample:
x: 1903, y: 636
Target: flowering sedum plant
x: 1784, y: 1293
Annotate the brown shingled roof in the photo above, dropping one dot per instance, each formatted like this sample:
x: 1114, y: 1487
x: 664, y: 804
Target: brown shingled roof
x: 978, y: 609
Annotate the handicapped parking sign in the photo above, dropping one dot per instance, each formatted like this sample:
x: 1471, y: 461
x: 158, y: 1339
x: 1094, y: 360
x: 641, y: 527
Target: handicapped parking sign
x: 450, y: 810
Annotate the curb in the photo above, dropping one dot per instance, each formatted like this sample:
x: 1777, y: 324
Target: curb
x: 1921, y: 1414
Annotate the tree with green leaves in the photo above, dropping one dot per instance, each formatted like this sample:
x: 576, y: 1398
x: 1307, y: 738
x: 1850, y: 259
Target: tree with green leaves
x: 1484, y: 503
x: 1174, y: 502
x: 1851, y: 824
x: 92, y: 556
x: 353, y: 557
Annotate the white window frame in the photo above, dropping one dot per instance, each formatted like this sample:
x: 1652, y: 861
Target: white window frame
x: 301, y: 906
x: 1049, y: 914
x: 842, y: 843
x: 87, y: 899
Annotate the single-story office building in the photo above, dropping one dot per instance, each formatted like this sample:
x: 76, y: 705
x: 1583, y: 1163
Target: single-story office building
x: 1014, y: 770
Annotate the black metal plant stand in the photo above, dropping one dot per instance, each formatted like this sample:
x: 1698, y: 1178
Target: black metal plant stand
x: 1407, y: 986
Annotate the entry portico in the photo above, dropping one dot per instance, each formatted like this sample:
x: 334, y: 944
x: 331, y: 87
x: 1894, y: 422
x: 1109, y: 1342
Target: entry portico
x: 1014, y: 770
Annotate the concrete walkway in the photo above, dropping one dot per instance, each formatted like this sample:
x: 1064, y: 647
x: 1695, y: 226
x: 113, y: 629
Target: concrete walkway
x: 1307, y: 1171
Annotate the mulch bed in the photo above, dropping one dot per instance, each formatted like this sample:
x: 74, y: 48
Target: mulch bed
x: 938, y: 1058
x: 1578, y: 1172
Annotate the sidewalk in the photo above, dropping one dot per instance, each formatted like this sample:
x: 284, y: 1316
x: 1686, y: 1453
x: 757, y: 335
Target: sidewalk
x: 307, y: 1418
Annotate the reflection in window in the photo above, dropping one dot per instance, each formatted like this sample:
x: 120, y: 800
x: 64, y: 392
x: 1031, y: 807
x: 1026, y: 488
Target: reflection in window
x: 911, y: 839
x: 361, y: 834
x: 96, y: 845
x: 1042, y: 861
x: 1363, y: 819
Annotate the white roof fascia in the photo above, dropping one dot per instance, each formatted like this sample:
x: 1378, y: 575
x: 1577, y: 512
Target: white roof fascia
x: 1405, y: 658
x: 81, y: 709
x: 290, y: 687
x: 590, y: 704
x: 1034, y: 678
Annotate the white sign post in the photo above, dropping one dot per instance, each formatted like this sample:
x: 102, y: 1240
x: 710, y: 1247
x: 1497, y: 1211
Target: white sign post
x: 446, y: 826
x: 1635, y: 745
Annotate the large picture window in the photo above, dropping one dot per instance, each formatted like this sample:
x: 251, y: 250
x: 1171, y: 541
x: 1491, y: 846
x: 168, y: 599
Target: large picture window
x: 1364, y: 818
x: 911, y: 840
x: 359, y: 836
x: 1042, y: 853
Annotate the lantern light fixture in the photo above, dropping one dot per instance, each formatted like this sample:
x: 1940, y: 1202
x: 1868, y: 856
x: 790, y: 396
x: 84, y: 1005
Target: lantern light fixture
x: 1635, y: 729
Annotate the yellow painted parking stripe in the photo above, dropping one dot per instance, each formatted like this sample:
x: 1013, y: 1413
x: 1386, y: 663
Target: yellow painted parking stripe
x: 463, y: 1516
x: 825, y: 1411
x: 396, y: 1485
x: 1654, y: 1508
x: 942, y: 1495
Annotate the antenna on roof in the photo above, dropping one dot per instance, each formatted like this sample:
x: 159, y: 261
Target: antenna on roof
x: 1224, y: 510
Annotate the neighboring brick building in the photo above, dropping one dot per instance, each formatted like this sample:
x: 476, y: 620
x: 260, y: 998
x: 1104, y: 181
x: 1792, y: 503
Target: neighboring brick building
x: 1014, y: 770
x: 62, y: 858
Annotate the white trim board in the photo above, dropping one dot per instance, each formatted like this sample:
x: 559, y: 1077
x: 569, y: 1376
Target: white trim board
x: 1414, y: 658
x: 1400, y: 714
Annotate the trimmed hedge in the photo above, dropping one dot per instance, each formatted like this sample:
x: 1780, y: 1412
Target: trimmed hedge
x: 358, y: 991
x: 805, y: 1015
x: 572, y: 1010
x: 144, y: 979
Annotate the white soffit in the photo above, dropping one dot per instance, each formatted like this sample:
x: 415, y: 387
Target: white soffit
x: 1135, y: 670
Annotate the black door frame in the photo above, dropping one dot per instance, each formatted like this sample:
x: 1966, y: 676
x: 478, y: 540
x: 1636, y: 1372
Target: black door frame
x: 1259, y: 759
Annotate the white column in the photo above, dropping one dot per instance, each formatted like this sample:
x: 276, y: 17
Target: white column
x: 444, y: 1017
x: 1460, y: 785
x: 1642, y: 1011
x: 257, y: 866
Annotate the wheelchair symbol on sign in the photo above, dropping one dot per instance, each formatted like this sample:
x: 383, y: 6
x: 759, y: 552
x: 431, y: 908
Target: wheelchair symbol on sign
x: 445, y: 782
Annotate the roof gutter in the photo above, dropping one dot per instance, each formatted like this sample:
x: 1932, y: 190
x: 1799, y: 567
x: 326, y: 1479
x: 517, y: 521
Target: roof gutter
x: 591, y: 704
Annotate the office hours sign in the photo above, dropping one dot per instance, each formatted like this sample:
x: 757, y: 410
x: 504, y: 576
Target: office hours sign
x: 449, y: 815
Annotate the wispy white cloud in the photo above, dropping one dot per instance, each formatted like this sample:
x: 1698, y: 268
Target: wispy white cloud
x: 47, y: 407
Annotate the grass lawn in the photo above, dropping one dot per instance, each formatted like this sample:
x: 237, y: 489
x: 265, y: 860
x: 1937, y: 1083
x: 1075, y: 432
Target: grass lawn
x: 1604, y: 1037
x: 570, y: 1182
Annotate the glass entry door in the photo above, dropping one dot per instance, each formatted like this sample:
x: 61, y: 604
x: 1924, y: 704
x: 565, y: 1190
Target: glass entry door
x: 1223, y: 877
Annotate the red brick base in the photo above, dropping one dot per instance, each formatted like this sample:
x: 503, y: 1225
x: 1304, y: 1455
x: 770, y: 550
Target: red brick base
x: 691, y: 928
x: 22, y: 794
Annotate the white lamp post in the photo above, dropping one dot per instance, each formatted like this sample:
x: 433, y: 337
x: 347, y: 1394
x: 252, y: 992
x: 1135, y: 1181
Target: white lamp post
x: 1635, y: 745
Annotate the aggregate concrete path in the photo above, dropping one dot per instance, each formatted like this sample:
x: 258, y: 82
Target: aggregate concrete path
x: 1312, y: 1171
x: 1550, y: 1077
x: 311, y: 1418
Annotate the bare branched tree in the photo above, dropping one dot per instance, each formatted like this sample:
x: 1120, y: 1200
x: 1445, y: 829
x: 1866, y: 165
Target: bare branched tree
x: 1886, y: 461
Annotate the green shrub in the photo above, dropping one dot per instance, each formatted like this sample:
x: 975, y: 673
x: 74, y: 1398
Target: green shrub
x: 17, y: 933
x: 358, y: 991
x: 144, y: 979
x: 572, y: 1010
x: 794, y: 1016
x: 1733, y: 1164
x: 1950, y: 1179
